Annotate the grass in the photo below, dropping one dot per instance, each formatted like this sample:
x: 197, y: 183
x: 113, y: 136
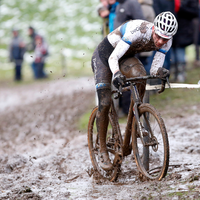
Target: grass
x: 83, y: 122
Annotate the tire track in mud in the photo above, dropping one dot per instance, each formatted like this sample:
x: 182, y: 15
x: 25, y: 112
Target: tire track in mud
x: 44, y: 156
x: 36, y: 158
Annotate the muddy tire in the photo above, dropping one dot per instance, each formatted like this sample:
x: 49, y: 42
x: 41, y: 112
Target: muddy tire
x: 114, y: 146
x: 152, y: 160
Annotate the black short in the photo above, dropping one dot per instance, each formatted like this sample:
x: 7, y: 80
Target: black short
x: 101, y: 69
x: 102, y: 73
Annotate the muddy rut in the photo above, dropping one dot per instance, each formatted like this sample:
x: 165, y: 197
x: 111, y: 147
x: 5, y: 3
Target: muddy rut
x: 43, y: 155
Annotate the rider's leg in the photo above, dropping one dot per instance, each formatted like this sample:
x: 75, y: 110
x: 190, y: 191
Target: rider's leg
x: 104, y: 97
x: 103, y: 76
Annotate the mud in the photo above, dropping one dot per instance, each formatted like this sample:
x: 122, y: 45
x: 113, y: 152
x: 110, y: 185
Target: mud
x: 43, y: 155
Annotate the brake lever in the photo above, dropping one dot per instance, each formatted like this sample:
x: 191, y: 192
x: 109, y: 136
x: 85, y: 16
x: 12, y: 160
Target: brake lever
x: 120, y: 90
x: 168, y: 82
x: 163, y: 85
x: 162, y: 89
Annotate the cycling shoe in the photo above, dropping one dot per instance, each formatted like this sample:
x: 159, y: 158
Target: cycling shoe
x: 105, y: 162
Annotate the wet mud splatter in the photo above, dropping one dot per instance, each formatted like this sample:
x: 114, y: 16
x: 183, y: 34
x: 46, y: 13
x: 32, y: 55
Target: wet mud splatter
x: 43, y: 155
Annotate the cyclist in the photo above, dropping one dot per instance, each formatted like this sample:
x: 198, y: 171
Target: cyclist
x: 115, y: 56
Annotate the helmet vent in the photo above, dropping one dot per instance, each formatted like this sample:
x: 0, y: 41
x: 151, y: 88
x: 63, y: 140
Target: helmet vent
x: 165, y: 24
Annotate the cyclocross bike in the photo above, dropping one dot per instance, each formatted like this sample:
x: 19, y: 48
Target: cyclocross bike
x: 145, y: 134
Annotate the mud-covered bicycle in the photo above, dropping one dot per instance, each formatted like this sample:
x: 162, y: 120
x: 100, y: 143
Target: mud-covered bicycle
x: 145, y: 134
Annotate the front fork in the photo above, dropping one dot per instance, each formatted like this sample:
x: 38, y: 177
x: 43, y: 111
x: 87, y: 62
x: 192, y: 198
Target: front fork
x: 144, y: 139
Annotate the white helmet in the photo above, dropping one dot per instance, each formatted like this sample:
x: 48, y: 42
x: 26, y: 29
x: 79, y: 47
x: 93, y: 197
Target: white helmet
x: 165, y: 25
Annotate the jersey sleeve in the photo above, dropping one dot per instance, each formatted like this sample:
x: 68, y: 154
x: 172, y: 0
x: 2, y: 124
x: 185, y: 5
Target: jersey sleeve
x: 121, y: 48
x: 159, y: 57
x: 118, y: 52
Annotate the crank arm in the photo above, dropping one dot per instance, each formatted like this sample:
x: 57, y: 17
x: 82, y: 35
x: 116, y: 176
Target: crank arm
x: 151, y: 144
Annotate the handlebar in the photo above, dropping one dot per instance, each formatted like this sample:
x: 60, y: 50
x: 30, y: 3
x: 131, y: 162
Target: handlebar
x: 143, y: 78
x: 118, y: 92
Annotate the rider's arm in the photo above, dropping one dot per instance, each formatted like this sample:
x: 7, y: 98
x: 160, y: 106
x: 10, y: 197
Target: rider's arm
x: 123, y: 44
x: 158, y: 62
x: 118, y: 52
x: 159, y: 58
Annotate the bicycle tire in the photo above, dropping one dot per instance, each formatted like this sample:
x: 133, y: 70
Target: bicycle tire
x: 114, y: 146
x: 158, y: 163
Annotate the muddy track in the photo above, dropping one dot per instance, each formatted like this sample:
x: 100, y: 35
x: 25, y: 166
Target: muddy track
x: 43, y: 155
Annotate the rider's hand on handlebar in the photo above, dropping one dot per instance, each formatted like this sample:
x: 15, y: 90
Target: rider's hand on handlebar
x: 119, y: 79
x: 162, y: 73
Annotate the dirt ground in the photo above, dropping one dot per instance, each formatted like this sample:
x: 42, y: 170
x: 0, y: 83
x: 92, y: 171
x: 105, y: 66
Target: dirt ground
x: 43, y: 155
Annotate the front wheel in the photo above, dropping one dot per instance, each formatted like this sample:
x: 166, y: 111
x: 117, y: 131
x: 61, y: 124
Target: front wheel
x: 152, y: 157
x: 113, y: 143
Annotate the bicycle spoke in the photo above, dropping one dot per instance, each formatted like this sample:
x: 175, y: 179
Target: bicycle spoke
x: 156, y: 149
x: 114, y: 146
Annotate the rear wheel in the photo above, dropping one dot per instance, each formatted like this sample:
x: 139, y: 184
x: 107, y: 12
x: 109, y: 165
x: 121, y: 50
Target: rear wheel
x: 152, y: 158
x: 114, y: 146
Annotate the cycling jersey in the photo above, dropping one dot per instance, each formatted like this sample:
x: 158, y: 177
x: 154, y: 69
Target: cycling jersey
x: 130, y: 38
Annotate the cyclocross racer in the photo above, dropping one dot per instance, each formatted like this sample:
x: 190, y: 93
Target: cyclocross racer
x: 123, y: 43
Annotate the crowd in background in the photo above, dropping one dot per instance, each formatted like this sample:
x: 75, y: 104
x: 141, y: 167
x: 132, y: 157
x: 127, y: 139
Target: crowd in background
x: 18, y: 47
x: 187, y: 13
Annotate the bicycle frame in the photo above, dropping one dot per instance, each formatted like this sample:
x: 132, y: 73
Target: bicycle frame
x: 133, y: 112
x: 143, y: 121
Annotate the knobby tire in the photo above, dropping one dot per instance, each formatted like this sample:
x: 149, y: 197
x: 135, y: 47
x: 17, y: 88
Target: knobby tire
x: 94, y: 146
x: 159, y: 153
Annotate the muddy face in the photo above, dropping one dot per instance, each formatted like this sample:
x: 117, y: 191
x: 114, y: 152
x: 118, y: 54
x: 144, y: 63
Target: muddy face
x: 159, y: 41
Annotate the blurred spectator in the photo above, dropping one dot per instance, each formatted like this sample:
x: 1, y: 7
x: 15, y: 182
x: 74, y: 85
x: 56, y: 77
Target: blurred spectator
x: 40, y: 54
x: 112, y: 4
x: 16, y: 53
x: 127, y: 10
x: 40, y: 48
x: 186, y: 11
x: 163, y: 5
x: 147, y: 9
x: 196, y: 22
x: 32, y: 34
x: 103, y: 12
x: 107, y: 13
x: 149, y: 15
x: 104, y: 3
